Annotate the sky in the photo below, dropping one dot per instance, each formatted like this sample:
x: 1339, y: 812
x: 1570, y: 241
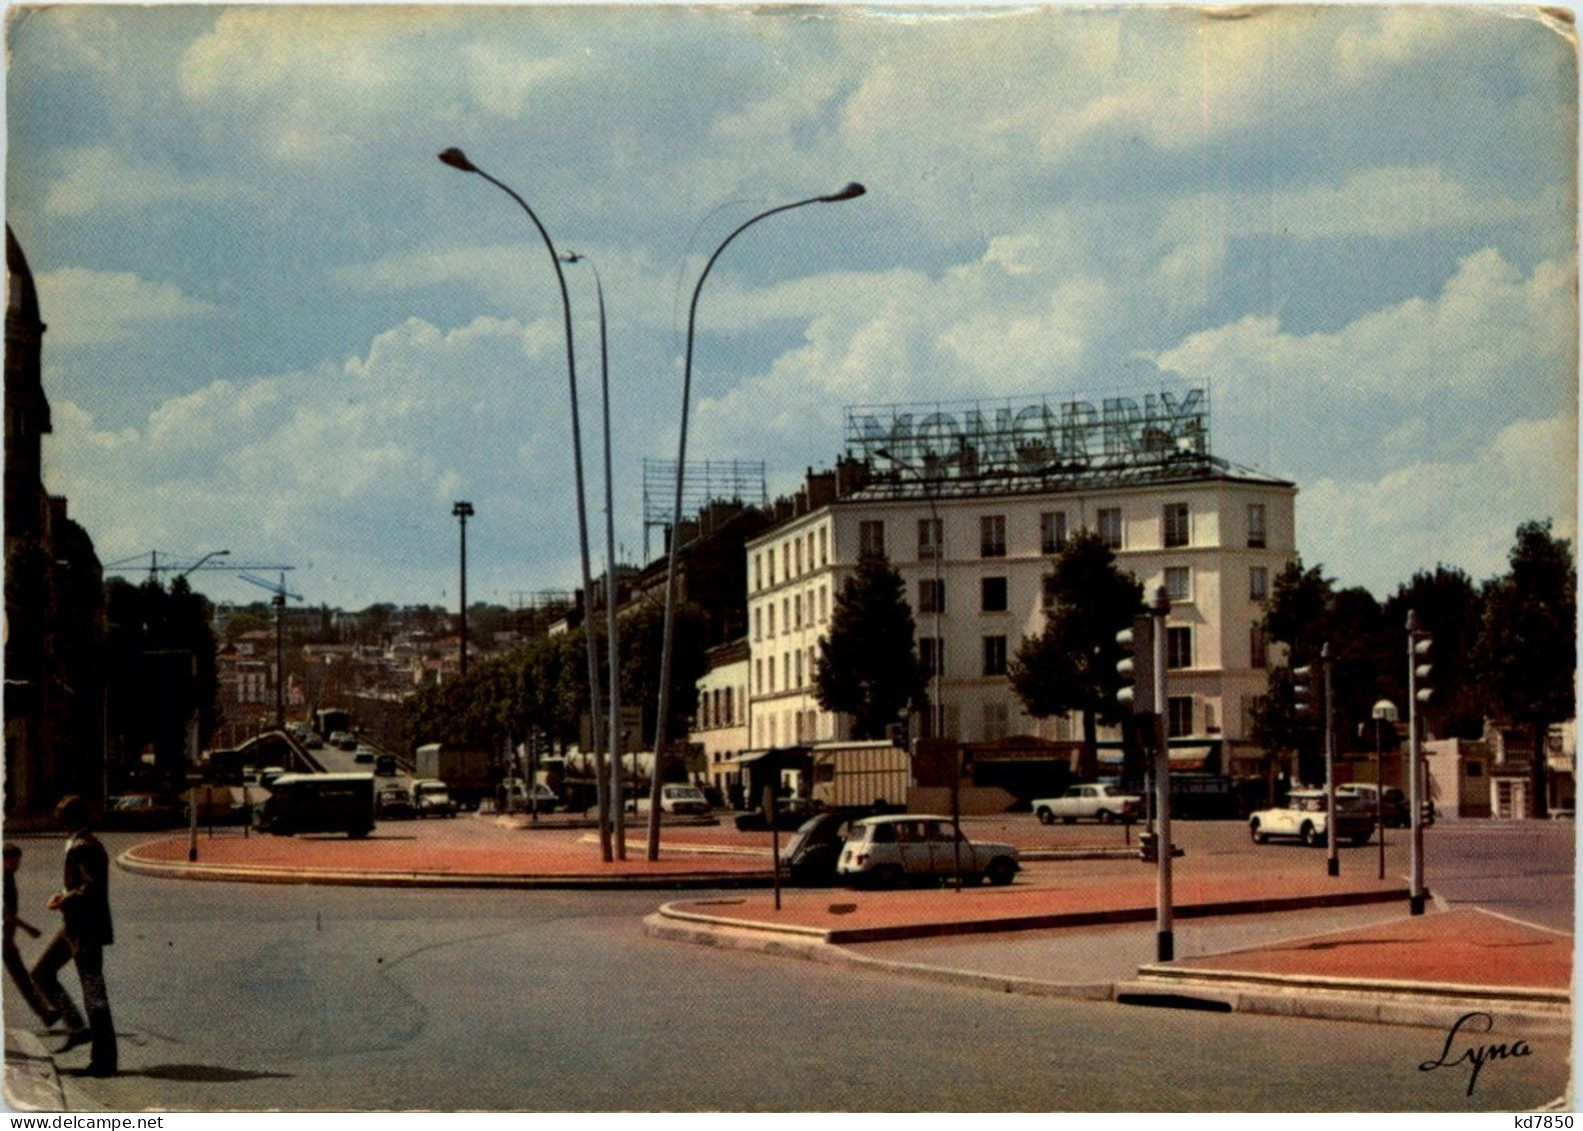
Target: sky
x: 279, y: 326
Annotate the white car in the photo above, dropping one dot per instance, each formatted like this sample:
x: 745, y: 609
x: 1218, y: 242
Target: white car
x: 678, y: 799
x: 1304, y: 817
x: 891, y: 849
x: 1090, y: 802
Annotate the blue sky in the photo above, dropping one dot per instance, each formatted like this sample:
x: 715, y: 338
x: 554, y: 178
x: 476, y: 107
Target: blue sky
x: 279, y: 326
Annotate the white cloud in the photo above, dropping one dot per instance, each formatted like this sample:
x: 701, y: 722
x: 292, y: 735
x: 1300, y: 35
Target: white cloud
x: 1490, y: 328
x: 1455, y: 509
x: 99, y: 178
x: 94, y: 307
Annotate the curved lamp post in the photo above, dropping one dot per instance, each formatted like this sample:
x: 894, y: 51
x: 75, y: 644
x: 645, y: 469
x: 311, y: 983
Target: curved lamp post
x: 456, y: 159
x: 662, y: 720
x: 462, y: 510
x: 617, y: 803
x: 200, y: 561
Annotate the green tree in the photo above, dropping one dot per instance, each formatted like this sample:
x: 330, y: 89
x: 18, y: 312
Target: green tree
x: 1450, y: 607
x: 1527, y: 650
x: 1295, y: 616
x: 867, y: 666
x: 1071, y: 665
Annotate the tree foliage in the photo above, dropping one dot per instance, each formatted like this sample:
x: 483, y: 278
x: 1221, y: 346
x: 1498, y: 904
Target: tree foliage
x: 1527, y: 650
x: 1071, y: 665
x: 867, y: 666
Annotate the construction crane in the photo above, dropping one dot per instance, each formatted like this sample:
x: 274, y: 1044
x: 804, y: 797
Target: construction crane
x: 279, y: 601
x: 181, y: 565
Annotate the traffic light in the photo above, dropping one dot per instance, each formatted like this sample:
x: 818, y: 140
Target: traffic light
x: 1423, y: 644
x: 1303, y: 692
x: 1137, y: 669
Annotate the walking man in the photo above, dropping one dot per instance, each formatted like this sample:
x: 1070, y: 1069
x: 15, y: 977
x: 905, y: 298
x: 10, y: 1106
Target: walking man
x: 84, y: 905
x: 14, y: 965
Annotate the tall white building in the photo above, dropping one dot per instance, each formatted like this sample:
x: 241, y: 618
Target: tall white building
x: 973, y: 534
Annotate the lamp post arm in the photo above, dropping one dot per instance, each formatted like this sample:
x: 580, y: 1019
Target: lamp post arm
x: 662, y: 716
x: 582, y: 508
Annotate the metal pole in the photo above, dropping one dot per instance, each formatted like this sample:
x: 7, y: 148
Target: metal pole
x: 1379, y: 788
x: 458, y: 160
x: 1415, y: 900
x: 1165, y: 948
x: 662, y: 714
x: 1332, y: 824
x: 461, y: 510
x: 280, y: 655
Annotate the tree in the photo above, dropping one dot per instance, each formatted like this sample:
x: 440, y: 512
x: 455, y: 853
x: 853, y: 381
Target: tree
x: 1450, y: 608
x: 1527, y: 651
x: 867, y: 665
x: 1295, y: 617
x: 1071, y: 665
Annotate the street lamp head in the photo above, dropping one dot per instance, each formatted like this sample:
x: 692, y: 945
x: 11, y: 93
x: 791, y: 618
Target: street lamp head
x: 456, y: 159
x: 462, y: 509
x: 571, y: 257
x: 852, y: 191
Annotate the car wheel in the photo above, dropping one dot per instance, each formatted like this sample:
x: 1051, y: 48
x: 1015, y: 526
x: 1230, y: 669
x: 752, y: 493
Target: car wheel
x: 1046, y: 817
x: 888, y: 877
x: 1106, y: 816
x: 1000, y: 871
x: 1258, y: 837
x: 1311, y: 836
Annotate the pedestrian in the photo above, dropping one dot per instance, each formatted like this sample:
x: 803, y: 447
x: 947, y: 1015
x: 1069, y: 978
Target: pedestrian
x: 84, y: 905
x: 13, y: 957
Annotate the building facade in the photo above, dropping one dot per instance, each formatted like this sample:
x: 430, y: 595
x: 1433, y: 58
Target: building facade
x: 974, y: 544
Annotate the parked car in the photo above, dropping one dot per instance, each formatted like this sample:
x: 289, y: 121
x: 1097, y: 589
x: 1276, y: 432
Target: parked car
x: 790, y: 813
x: 432, y: 798
x: 364, y: 757
x: 678, y: 799
x: 343, y: 740
x: 1304, y: 817
x: 1392, y: 802
x: 892, y: 849
x: 144, y: 811
x: 514, y: 795
x: 813, y: 852
x: 1089, y: 802
x: 394, y: 803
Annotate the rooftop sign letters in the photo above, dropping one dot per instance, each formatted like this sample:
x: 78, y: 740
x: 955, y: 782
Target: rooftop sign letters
x: 1030, y: 436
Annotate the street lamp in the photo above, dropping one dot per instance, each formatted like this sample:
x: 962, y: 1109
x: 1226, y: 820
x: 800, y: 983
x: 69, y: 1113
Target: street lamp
x: 456, y: 159
x: 613, y: 647
x: 200, y: 561
x: 1384, y: 712
x: 463, y: 510
x: 662, y: 718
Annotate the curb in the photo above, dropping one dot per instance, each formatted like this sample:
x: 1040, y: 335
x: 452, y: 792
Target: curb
x: 31, y: 1081
x: 840, y: 935
x: 227, y: 873
x: 1382, y: 1003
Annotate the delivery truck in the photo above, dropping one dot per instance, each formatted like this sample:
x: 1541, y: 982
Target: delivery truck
x: 468, y: 771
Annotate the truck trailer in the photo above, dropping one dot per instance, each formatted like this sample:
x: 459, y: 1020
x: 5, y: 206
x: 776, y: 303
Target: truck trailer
x: 468, y: 771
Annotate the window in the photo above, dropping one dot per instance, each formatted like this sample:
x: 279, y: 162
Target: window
x: 1179, y: 583
x: 1475, y: 769
x: 799, y: 671
x: 931, y: 655
x: 824, y: 594
x: 871, y: 537
x: 786, y: 614
x: 1181, y: 712
x: 797, y: 611
x: 992, y: 536
x: 931, y: 595
x: 1110, y: 526
x: 799, y: 557
x: 1052, y: 532
x: 758, y: 624
x: 824, y: 546
x: 771, y: 608
x: 786, y: 680
x: 772, y: 674
x: 992, y: 594
x: 1256, y: 526
x: 1256, y: 650
x: 1179, y: 647
x: 1258, y: 583
x: 758, y: 676
x: 994, y: 655
x: 786, y: 560
x: 758, y: 571
x: 1176, y: 525
x: 929, y: 538
x: 729, y: 713
x: 997, y: 721
x: 771, y: 555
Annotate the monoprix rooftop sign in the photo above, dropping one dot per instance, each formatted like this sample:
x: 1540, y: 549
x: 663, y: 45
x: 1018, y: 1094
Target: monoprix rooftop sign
x: 1030, y: 436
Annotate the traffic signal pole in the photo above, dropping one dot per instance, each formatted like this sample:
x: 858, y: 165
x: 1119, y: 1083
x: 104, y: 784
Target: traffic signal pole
x: 1332, y: 825
x: 1165, y: 937
x: 1418, y: 645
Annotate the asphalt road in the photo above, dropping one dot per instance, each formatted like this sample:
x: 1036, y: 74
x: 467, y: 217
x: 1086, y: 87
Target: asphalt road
x: 238, y: 997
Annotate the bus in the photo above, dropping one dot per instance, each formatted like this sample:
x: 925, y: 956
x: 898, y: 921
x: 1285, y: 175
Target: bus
x: 328, y: 720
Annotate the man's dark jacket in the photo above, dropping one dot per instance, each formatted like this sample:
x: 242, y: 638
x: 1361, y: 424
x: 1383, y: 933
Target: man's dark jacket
x: 86, y: 908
